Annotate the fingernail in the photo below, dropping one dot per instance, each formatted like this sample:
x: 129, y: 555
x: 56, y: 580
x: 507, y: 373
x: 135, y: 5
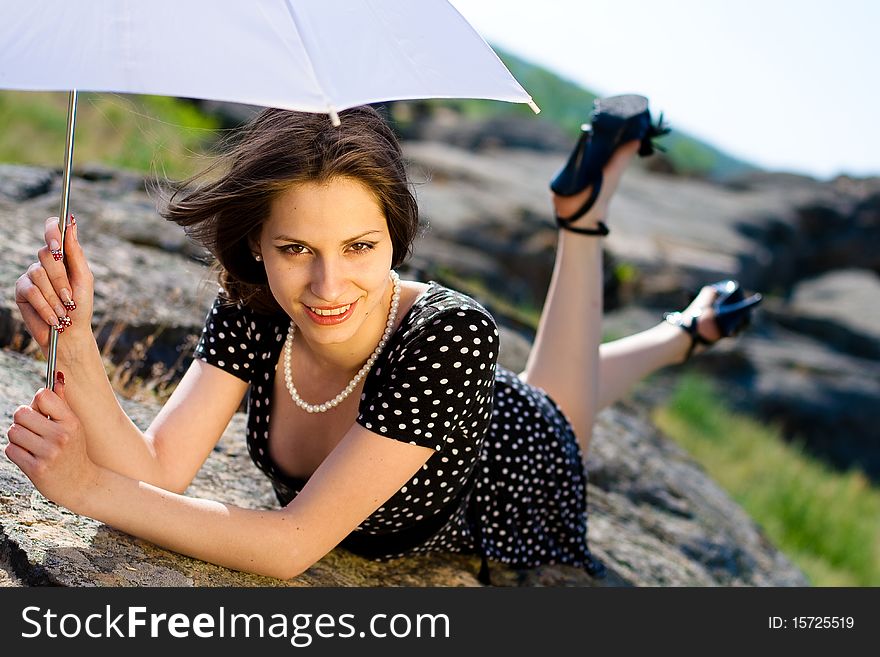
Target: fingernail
x: 54, y: 246
x: 65, y: 296
x: 65, y: 322
x: 59, y: 377
x: 58, y: 328
x: 70, y: 306
x: 60, y: 310
x: 72, y: 221
x: 53, y: 323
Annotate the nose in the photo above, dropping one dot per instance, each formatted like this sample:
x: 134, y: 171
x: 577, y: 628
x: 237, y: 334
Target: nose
x: 329, y: 281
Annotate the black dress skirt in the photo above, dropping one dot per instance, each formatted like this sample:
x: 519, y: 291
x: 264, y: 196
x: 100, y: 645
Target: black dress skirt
x: 506, y: 479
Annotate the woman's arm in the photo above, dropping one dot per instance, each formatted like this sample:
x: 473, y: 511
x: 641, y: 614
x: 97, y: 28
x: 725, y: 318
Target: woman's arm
x: 362, y: 472
x: 170, y: 452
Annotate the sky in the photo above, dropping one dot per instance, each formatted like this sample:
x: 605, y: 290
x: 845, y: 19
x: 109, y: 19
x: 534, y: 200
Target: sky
x: 788, y: 85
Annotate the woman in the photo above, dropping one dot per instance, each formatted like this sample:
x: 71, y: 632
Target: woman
x: 336, y: 356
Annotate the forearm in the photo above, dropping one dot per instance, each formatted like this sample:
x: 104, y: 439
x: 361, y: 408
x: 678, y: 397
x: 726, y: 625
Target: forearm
x: 256, y: 541
x: 114, y: 441
x: 627, y: 360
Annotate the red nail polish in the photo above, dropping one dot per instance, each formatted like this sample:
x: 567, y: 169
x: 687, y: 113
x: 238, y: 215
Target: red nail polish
x: 59, y: 377
x: 57, y: 254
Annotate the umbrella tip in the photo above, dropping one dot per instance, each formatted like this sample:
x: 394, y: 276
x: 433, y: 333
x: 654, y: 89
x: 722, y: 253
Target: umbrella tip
x: 535, y: 108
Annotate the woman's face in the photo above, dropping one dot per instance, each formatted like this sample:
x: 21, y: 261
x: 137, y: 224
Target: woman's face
x: 328, y: 253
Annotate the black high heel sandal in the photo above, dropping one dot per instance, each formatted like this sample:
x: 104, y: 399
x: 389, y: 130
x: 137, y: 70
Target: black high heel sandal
x: 733, y: 313
x: 615, y: 121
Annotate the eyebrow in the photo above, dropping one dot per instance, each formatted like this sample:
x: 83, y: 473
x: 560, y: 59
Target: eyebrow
x: 286, y: 238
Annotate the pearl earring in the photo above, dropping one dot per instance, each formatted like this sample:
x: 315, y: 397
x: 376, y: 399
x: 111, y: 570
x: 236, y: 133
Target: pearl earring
x: 258, y: 257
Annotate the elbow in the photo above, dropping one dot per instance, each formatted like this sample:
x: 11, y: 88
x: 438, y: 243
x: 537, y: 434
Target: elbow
x: 288, y: 561
x: 174, y: 483
x: 297, y: 564
x: 287, y: 570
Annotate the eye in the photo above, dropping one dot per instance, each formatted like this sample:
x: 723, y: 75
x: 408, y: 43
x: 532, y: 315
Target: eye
x: 292, y: 249
x: 362, y: 247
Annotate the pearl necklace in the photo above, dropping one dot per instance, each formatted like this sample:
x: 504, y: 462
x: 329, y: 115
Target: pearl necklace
x: 333, y: 403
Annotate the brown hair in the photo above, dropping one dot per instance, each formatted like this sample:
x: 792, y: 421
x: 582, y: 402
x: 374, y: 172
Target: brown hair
x: 274, y: 150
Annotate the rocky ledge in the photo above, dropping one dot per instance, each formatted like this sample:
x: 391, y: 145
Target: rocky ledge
x: 810, y: 360
x: 656, y: 519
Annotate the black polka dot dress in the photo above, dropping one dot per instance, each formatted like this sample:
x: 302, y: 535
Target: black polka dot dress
x: 506, y: 479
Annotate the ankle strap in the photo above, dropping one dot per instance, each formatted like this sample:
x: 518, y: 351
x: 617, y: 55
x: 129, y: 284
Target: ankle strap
x: 601, y: 229
x: 690, y: 326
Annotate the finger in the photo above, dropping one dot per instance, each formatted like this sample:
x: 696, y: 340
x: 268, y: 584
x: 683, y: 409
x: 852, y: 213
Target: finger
x: 59, y: 388
x: 52, y: 233
x: 48, y: 403
x: 78, y: 270
x: 35, y: 324
x: 21, y: 457
x: 27, y: 440
x: 27, y: 293
x: 39, y: 276
x: 56, y: 273
x: 33, y: 419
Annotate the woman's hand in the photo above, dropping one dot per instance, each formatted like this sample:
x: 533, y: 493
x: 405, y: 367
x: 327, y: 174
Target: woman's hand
x: 57, y: 294
x: 47, y: 442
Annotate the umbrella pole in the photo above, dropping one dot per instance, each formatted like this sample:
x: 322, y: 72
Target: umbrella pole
x: 62, y: 222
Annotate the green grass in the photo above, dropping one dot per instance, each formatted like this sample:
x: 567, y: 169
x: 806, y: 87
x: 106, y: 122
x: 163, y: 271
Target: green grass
x: 140, y: 133
x: 824, y: 520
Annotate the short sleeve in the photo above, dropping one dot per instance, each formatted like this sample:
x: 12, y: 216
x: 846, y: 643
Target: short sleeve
x: 436, y: 384
x: 226, y: 338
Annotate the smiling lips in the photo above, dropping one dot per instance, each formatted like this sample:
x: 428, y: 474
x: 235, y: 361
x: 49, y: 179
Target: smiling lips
x: 330, y: 316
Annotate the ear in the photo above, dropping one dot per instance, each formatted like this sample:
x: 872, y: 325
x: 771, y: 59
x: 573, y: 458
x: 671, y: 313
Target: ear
x: 254, y: 245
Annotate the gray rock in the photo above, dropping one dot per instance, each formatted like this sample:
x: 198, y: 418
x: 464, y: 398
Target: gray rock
x: 19, y: 183
x: 490, y: 224
x: 142, y: 293
x: 816, y: 393
x: 841, y: 308
x: 656, y: 519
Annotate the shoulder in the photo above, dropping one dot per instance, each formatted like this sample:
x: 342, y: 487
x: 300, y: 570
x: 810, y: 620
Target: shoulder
x: 443, y: 329
x: 234, y: 336
x: 440, y: 309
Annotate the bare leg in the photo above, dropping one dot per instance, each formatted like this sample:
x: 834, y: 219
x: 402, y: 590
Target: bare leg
x: 630, y: 359
x: 566, y: 360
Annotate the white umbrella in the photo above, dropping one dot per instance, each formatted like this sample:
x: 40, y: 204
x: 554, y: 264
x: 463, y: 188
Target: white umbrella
x: 309, y: 55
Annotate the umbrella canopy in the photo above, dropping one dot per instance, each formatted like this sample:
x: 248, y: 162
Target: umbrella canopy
x: 311, y: 55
